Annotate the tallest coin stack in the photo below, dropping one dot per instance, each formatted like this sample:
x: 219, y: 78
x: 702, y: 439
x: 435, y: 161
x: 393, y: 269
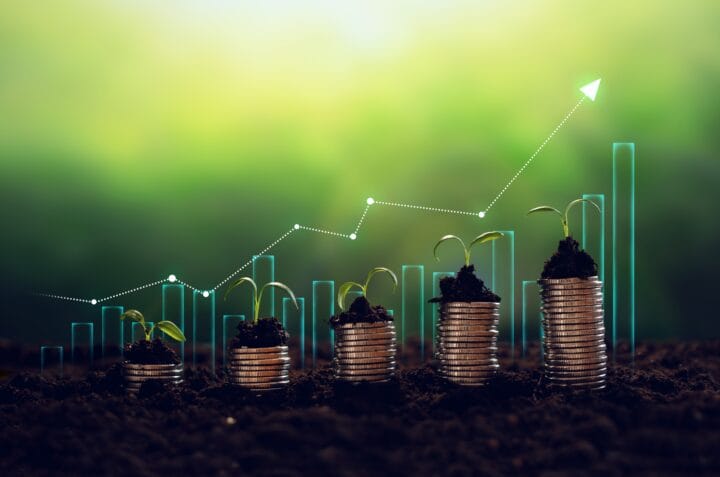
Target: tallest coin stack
x: 574, y: 333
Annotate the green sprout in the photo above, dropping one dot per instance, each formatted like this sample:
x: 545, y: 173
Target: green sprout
x: 167, y: 327
x: 480, y: 239
x: 257, y: 297
x: 563, y: 216
x: 347, y: 286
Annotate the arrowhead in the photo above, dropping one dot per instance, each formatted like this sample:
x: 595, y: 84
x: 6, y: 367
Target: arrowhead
x: 590, y: 90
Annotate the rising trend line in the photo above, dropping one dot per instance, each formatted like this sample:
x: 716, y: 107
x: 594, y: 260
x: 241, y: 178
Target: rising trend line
x: 589, y: 91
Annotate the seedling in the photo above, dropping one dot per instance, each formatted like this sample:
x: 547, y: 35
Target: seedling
x: 563, y: 216
x: 167, y: 327
x: 257, y: 296
x: 347, y: 286
x: 480, y: 239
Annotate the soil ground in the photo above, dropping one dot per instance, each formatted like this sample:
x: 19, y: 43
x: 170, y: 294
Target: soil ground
x: 658, y: 417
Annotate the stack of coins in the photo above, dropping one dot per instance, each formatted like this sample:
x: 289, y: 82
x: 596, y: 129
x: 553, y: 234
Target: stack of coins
x: 365, y: 351
x: 136, y: 374
x: 574, y: 333
x: 260, y: 369
x: 467, y: 341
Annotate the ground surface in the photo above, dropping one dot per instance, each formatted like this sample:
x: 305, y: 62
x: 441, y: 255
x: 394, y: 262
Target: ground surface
x: 661, y: 417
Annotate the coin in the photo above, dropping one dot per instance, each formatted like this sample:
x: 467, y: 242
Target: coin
x: 261, y: 386
x: 465, y: 305
x: 269, y: 349
x: 365, y: 332
x: 351, y: 339
x: 363, y: 325
x: 565, y: 281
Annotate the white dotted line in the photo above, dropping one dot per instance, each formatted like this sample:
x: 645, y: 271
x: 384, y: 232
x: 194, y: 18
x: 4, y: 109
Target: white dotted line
x: 67, y: 298
x: 527, y: 163
x: 313, y: 229
x: 132, y: 290
x: 246, y: 264
x: 421, y: 207
x: 362, y: 218
x: 187, y: 285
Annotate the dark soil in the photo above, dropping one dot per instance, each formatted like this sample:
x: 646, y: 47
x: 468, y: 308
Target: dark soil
x: 464, y: 286
x: 570, y: 262
x: 263, y: 334
x: 361, y: 312
x: 660, y: 417
x: 150, y: 352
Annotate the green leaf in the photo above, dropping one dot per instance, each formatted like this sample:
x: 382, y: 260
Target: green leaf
x: 578, y: 201
x: 486, y: 237
x: 446, y: 238
x: 170, y: 329
x: 133, y: 315
x: 279, y: 285
x: 239, y: 282
x: 380, y: 270
x: 344, y: 289
x: 544, y: 208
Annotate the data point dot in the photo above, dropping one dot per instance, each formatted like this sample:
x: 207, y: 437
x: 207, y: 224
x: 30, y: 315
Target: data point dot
x: 353, y: 236
x: 296, y: 226
x: 481, y: 215
x: 172, y: 278
x: 93, y: 301
x: 206, y: 293
x: 370, y: 201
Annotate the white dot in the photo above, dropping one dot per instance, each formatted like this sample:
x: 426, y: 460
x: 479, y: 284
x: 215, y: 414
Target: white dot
x: 206, y: 293
x: 93, y: 301
x: 296, y: 226
x: 353, y: 236
x: 481, y: 215
x: 370, y: 201
x: 172, y: 278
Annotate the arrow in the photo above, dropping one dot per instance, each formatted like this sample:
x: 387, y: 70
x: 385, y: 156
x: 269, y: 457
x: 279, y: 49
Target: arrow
x: 589, y: 91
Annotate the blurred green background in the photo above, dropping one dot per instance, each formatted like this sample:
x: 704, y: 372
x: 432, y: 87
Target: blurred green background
x: 143, y: 138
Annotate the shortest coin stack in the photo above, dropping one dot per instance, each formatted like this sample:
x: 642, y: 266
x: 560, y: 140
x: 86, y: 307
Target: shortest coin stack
x: 574, y: 334
x: 467, y: 341
x: 260, y: 369
x: 137, y: 374
x: 365, y: 351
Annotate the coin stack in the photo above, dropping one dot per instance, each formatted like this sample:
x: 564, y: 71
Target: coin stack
x: 260, y: 369
x: 365, y: 351
x: 467, y: 341
x: 137, y: 374
x: 574, y: 334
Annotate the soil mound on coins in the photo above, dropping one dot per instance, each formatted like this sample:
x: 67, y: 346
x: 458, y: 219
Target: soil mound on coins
x: 265, y: 333
x: 150, y: 352
x: 464, y: 286
x: 570, y: 262
x: 361, y: 311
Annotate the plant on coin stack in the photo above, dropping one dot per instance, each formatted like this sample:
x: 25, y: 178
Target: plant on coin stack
x: 574, y: 350
x: 467, y: 323
x: 259, y: 357
x: 364, y: 334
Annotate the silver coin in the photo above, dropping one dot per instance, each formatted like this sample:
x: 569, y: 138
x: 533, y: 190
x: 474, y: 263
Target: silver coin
x: 365, y: 332
x: 588, y: 315
x: 468, y: 323
x: 260, y: 362
x: 470, y: 304
x: 468, y: 374
x: 363, y: 325
x: 444, y: 327
x: 371, y: 367
x: 147, y: 367
x: 569, y: 342
x: 572, y: 301
x: 257, y: 357
x: 249, y: 373
x: 368, y: 339
x: 364, y: 360
x: 460, y: 363
x: 259, y: 379
x: 554, y: 373
x: 575, y: 352
x: 575, y: 379
x: 260, y: 386
x: 142, y: 379
x: 589, y: 284
x: 457, y: 353
x: 269, y: 349
x: 564, y: 281
x: 364, y: 372
x: 468, y: 381
x: 560, y: 309
x: 364, y: 349
x: 572, y: 326
x: 361, y: 355
x: 469, y: 315
x: 467, y: 343
x: 554, y: 332
x: 476, y: 332
x: 377, y: 379
x: 575, y: 295
x: 365, y: 337
x: 587, y: 359
x: 262, y: 367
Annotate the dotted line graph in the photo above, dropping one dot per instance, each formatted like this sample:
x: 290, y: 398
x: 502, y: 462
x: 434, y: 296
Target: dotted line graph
x: 351, y: 236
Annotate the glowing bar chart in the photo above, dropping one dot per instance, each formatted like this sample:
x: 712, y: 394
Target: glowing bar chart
x: 531, y: 318
x: 412, y: 312
x: 293, y: 320
x: 503, y: 253
x: 263, y: 271
x: 323, y: 307
x: 229, y: 329
x: 623, y: 244
x: 173, y: 309
x: 203, y: 325
x: 112, y: 331
x: 82, y: 345
x: 51, y: 360
x: 593, y: 231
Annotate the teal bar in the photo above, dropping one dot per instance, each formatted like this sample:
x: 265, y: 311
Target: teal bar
x: 420, y: 306
x: 623, y: 251
x: 294, y: 319
x: 137, y: 333
x: 590, y: 215
x: 327, y: 312
x: 507, y: 305
x: 110, y: 316
x: 436, y: 277
x: 45, y: 361
x: 229, y: 326
x: 88, y: 329
x: 203, y: 332
x: 263, y: 271
x: 529, y: 304
x: 173, y: 309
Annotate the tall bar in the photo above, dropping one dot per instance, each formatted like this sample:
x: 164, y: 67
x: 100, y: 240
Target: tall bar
x: 531, y: 314
x: 593, y: 230
x: 137, y: 332
x: 323, y: 307
x: 412, y: 313
x: 436, y: 277
x: 173, y: 309
x: 293, y: 320
x: 229, y: 329
x: 504, y: 280
x: 82, y: 333
x: 112, y: 330
x: 263, y: 271
x: 623, y: 243
x: 203, y: 324
x: 51, y: 357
